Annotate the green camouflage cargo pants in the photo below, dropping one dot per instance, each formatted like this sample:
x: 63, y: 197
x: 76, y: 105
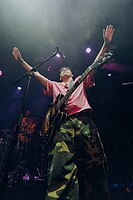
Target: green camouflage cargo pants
x: 76, y: 167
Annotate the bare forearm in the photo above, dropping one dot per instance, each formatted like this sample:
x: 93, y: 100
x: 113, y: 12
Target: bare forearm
x: 102, y: 51
x: 25, y: 65
x: 39, y: 77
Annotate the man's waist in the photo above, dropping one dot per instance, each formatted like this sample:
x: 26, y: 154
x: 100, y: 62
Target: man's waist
x: 86, y: 112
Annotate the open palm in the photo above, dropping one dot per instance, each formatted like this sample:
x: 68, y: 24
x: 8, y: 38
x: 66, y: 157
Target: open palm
x: 16, y: 53
x: 108, y: 33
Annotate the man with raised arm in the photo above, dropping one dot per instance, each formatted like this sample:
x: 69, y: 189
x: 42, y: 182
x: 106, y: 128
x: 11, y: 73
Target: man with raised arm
x: 77, y: 161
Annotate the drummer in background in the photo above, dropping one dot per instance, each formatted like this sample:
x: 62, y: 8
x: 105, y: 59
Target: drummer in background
x: 27, y: 127
x: 31, y: 126
x: 26, y: 119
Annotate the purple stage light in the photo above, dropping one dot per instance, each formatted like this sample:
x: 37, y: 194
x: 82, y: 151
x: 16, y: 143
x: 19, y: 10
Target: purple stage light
x: 49, y: 68
x: 19, y: 88
x: 117, y: 67
x: 88, y: 50
x: 109, y: 74
x: 58, y: 55
x: 1, y: 72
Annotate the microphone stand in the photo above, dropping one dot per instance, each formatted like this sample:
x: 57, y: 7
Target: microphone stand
x: 5, y: 166
x: 128, y: 83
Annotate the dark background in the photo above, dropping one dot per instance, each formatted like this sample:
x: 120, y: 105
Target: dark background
x: 35, y: 27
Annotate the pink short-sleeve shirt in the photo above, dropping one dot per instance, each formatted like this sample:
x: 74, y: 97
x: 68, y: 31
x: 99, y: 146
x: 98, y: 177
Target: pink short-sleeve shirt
x: 77, y: 102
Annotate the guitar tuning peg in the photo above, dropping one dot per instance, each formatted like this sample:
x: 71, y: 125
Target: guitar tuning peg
x: 110, y: 52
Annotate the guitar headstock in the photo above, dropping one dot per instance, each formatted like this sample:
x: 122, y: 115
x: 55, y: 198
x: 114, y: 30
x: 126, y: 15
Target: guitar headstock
x: 106, y: 58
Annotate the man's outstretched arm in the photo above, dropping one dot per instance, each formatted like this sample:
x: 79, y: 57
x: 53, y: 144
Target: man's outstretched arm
x: 107, y: 37
x: 17, y: 55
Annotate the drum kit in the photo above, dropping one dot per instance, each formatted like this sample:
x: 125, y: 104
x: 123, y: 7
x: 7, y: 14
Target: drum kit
x: 28, y: 161
x: 21, y: 154
x: 18, y: 168
x: 27, y: 129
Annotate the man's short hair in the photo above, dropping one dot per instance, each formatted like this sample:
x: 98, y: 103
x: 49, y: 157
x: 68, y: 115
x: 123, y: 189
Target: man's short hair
x: 65, y: 67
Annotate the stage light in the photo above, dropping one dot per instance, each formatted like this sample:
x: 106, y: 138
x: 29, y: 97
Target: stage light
x: 58, y: 55
x: 49, y: 68
x: 88, y: 50
x: 19, y: 88
x: 109, y: 74
x: 1, y: 72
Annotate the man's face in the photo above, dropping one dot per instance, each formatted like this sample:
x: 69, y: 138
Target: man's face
x: 65, y: 73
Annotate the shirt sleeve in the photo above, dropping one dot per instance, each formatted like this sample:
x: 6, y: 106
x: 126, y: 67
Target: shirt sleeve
x: 49, y: 89
x: 88, y: 82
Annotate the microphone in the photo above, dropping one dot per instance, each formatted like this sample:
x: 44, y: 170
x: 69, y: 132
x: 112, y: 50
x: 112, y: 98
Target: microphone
x: 59, y: 52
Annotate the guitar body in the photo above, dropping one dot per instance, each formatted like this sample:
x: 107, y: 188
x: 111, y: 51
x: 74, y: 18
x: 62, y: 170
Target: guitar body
x: 53, y: 117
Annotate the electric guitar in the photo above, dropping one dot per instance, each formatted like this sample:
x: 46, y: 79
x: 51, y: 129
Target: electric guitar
x: 56, y: 114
